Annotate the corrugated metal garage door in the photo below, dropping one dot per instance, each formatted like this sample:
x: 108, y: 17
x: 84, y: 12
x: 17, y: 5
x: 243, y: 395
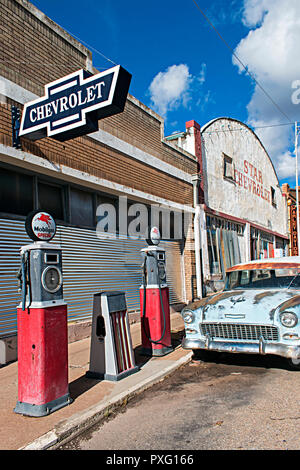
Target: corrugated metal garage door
x: 90, y: 265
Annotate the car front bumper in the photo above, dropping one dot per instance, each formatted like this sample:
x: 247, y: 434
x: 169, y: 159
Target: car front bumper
x: 260, y: 347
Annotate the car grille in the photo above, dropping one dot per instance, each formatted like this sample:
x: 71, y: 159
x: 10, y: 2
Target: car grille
x: 239, y: 331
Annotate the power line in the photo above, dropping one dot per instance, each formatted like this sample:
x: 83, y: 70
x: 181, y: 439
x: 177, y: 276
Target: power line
x: 242, y: 64
x: 90, y: 47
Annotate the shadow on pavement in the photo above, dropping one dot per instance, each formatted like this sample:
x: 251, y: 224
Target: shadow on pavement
x: 83, y: 384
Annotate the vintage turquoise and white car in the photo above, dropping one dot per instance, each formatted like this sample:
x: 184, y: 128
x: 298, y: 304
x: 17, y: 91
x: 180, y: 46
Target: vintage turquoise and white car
x: 258, y: 312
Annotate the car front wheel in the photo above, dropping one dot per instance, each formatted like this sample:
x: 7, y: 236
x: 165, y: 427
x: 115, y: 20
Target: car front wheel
x: 294, y: 364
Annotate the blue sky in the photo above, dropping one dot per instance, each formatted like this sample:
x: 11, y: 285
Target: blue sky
x: 169, y: 41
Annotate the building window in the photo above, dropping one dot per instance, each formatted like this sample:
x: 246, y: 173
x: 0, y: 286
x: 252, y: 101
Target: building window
x: 228, y: 168
x: 213, y: 251
x: 273, y: 196
x: 51, y: 199
x: 16, y: 192
x: 81, y: 208
x: 262, y: 244
x: 224, y: 243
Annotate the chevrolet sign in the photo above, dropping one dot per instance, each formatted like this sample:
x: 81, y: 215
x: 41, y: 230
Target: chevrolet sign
x: 73, y: 104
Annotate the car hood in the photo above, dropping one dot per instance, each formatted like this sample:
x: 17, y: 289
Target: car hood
x: 249, y: 306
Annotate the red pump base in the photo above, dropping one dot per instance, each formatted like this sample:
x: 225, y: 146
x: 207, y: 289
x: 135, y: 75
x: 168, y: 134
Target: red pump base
x: 42, y: 360
x: 153, y: 323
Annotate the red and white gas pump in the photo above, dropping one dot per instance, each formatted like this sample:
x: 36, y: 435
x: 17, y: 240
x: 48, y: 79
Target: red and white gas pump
x: 42, y: 323
x: 154, y: 300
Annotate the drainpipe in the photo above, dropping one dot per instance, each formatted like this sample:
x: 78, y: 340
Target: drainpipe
x: 196, y: 183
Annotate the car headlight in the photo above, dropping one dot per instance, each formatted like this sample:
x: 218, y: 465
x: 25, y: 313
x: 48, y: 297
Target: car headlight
x: 288, y: 319
x: 188, y: 316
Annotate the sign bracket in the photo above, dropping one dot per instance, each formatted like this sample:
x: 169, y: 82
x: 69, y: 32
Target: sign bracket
x: 16, y: 122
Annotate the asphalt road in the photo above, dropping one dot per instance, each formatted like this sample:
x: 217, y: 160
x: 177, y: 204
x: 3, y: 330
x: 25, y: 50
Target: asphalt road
x: 240, y: 402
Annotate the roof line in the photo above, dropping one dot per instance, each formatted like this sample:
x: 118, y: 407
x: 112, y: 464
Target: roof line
x: 208, y: 124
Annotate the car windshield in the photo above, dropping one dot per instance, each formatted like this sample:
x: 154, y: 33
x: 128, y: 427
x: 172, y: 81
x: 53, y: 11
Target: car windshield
x: 263, y: 278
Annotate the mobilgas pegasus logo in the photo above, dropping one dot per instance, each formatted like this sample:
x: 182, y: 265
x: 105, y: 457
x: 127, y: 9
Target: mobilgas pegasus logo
x: 40, y: 226
x: 73, y: 104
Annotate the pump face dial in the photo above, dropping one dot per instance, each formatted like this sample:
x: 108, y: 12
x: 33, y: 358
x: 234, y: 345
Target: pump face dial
x: 51, y: 279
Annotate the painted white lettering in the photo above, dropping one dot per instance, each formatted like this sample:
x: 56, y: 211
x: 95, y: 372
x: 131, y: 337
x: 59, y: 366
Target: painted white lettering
x: 99, y: 86
x: 31, y: 116
x: 73, y: 100
x: 80, y: 102
x: 90, y: 93
x: 63, y: 104
x: 48, y: 110
x: 55, y: 106
x: 40, y: 112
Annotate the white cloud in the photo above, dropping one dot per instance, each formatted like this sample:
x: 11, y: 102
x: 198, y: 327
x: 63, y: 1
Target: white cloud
x: 270, y: 51
x: 202, y: 74
x: 169, y: 89
x: 175, y: 87
x: 221, y: 13
x: 254, y: 11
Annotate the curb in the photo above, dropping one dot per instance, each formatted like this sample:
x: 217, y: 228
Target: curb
x: 74, y: 426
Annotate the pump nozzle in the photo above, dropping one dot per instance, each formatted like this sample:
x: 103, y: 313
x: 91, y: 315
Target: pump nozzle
x: 23, y: 278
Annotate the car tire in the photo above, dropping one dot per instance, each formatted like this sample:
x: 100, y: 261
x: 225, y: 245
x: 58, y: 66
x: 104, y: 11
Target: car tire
x: 206, y: 355
x: 294, y: 364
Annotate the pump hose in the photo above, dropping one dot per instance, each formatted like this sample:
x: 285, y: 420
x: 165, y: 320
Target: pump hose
x: 25, y: 279
x: 29, y: 280
x: 158, y: 341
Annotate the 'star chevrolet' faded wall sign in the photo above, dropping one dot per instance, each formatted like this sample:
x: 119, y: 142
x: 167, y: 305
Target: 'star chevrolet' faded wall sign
x: 73, y: 104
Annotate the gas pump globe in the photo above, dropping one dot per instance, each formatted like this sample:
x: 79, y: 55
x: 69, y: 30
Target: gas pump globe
x: 42, y: 322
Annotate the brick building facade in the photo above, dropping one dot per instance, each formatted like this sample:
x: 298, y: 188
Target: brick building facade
x: 126, y: 158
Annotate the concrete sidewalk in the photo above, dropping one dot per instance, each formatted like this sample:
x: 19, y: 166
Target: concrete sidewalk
x: 93, y: 400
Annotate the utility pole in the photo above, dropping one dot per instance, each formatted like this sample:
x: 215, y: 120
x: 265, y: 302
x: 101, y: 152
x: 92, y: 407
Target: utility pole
x: 297, y: 195
x: 197, y: 236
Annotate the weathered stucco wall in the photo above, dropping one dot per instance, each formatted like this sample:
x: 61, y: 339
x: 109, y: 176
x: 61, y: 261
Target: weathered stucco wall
x: 245, y: 191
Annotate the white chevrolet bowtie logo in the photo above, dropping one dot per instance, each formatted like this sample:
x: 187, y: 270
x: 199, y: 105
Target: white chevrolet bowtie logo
x: 73, y: 104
